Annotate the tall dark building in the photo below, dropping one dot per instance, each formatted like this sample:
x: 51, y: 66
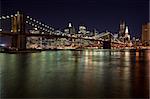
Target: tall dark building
x: 122, y: 29
x: 146, y: 34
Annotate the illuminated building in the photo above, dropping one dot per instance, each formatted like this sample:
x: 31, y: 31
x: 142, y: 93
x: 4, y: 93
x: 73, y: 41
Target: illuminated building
x: 66, y: 31
x: 124, y: 32
x: 146, y: 34
x: 127, y: 36
x: 70, y: 25
x: 71, y: 29
x: 34, y: 42
x: 82, y: 30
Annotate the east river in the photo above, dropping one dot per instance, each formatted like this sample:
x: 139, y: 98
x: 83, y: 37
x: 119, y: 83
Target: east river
x: 75, y: 74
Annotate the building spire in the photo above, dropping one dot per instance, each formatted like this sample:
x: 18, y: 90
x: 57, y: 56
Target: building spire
x: 126, y: 30
x: 70, y: 25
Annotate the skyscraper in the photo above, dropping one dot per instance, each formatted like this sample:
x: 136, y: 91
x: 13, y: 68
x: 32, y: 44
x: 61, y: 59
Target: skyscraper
x: 82, y: 29
x: 71, y: 29
x: 124, y: 32
x: 146, y: 34
x: 127, y: 36
x: 121, y: 29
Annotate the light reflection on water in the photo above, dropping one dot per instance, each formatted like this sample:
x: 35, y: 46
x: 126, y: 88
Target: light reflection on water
x: 87, y: 73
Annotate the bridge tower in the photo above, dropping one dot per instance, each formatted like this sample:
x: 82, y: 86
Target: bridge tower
x: 18, y: 27
x: 107, y: 43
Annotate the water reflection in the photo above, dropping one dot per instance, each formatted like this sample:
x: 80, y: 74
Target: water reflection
x: 87, y: 73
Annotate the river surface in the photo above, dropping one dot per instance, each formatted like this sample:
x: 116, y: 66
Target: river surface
x: 75, y: 74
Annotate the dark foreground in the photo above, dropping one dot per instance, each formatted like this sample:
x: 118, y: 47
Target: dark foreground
x: 71, y: 74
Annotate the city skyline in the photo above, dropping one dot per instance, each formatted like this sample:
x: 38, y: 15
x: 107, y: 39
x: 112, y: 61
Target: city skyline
x: 101, y: 15
x: 74, y: 49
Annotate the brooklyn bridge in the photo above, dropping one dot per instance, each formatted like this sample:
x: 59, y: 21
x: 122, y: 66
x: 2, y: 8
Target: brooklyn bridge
x: 27, y: 32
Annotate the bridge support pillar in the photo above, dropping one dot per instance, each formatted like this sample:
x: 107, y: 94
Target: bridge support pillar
x: 14, y: 42
x: 21, y: 42
x: 18, y: 26
x: 106, y: 45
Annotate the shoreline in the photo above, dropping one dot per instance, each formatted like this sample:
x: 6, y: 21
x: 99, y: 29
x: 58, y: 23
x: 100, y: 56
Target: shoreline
x: 81, y: 49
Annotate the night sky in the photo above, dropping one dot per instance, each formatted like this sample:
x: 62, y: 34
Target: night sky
x: 100, y: 14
